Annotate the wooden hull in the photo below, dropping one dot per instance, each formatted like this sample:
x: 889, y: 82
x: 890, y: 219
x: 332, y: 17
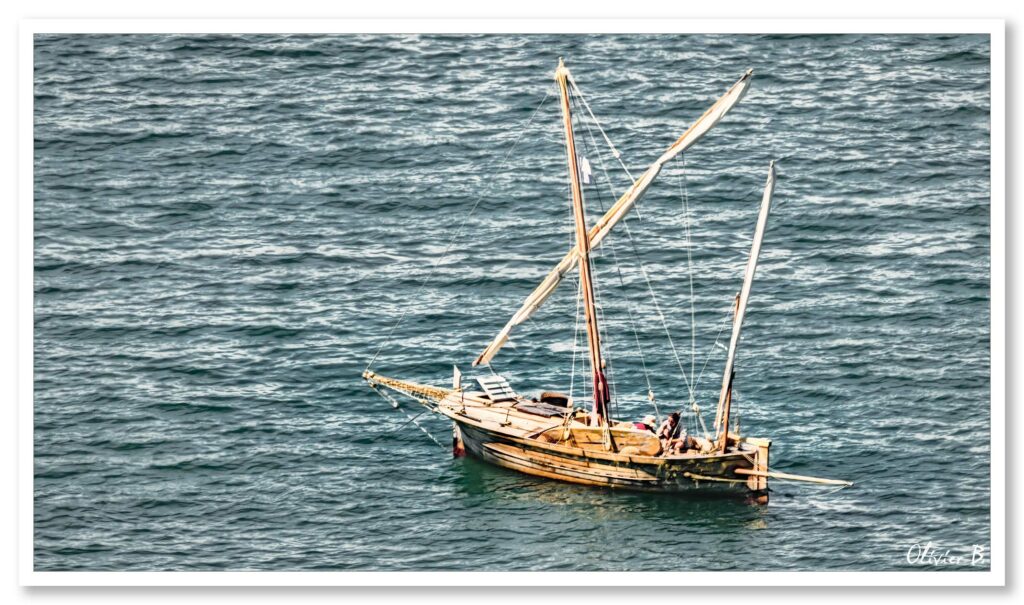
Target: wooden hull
x: 563, y: 447
x: 675, y: 474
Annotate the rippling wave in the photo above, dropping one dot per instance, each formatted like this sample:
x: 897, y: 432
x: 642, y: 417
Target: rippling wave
x: 227, y: 227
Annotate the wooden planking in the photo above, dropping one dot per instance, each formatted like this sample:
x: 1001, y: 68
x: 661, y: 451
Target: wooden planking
x: 565, y: 468
x: 582, y: 466
x: 625, y: 472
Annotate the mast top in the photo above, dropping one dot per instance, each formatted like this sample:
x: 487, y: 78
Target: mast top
x: 561, y: 69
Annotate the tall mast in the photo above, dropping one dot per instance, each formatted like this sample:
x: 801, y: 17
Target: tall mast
x: 725, y: 397
x: 600, y: 391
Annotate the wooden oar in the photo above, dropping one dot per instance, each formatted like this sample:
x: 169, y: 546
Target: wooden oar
x: 775, y: 475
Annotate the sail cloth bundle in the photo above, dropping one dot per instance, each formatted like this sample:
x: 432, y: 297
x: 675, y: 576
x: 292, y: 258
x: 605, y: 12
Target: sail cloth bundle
x: 617, y: 212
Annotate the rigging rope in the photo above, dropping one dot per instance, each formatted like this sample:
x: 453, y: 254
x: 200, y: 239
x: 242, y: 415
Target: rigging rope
x: 600, y: 198
x: 455, y: 236
x: 607, y: 343
x: 575, y: 337
x: 413, y: 419
x: 657, y: 307
x: 615, y: 152
x: 725, y: 322
x: 694, y: 411
x: 684, y: 192
x: 603, y: 325
x: 571, y: 231
x: 647, y: 279
x: 584, y: 359
x: 607, y: 369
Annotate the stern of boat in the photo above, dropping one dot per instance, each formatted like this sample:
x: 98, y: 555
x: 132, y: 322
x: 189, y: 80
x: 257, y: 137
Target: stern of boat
x: 758, y: 483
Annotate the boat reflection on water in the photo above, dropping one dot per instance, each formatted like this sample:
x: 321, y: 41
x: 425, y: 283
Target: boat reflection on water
x: 478, y: 479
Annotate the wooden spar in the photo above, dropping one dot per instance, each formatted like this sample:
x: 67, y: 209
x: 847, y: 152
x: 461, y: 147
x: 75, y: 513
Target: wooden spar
x: 619, y: 209
x: 583, y: 251
x: 724, y: 412
x: 728, y: 399
x: 789, y: 477
x: 413, y: 389
x: 725, y: 396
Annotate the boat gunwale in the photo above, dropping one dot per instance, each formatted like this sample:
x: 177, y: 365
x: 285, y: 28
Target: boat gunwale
x: 458, y: 417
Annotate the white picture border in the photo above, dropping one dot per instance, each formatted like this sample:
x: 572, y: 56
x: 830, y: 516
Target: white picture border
x: 28, y: 577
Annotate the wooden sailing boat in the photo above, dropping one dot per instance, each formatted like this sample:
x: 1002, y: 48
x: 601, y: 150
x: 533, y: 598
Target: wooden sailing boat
x: 548, y: 436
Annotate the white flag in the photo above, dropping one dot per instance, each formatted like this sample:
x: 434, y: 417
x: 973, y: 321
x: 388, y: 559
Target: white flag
x: 456, y: 378
x: 585, y: 170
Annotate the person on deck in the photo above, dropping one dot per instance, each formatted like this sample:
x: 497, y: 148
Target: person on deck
x: 647, y: 424
x: 668, y: 428
x: 683, y: 443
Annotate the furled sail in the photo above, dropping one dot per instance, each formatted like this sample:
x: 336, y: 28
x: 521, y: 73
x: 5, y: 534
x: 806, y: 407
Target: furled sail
x: 618, y: 210
x: 722, y: 416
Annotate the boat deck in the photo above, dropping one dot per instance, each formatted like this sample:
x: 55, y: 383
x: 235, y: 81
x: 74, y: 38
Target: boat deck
x: 569, y: 431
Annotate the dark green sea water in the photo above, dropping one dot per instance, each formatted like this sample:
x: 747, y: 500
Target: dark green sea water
x: 227, y: 227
